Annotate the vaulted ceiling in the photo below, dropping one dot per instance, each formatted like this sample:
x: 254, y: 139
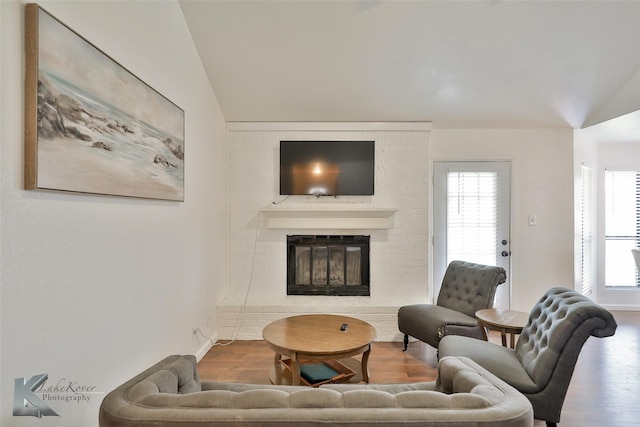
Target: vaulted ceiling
x: 457, y: 64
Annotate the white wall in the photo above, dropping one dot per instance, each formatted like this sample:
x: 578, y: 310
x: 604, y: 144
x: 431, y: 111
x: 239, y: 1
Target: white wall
x: 398, y: 255
x: 94, y: 289
x: 541, y: 184
x: 1, y: 139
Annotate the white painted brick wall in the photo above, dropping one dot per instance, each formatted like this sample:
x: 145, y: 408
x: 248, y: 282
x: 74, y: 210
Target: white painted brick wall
x: 257, y: 270
x: 247, y: 323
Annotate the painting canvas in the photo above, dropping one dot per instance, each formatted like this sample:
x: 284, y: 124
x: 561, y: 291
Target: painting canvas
x: 91, y: 126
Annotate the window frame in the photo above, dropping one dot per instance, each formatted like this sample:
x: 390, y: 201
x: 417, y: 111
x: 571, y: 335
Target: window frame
x: 618, y: 237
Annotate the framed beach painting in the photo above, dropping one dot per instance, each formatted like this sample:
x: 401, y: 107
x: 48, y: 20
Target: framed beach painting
x: 91, y: 126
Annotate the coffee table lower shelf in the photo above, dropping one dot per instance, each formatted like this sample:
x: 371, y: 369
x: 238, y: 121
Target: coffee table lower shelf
x: 350, y: 367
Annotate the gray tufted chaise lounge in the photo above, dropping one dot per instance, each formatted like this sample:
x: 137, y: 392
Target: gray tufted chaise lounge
x: 543, y: 361
x: 466, y: 288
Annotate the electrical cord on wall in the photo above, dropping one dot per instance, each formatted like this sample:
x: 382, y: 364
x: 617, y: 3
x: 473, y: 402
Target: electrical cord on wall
x: 278, y: 202
x: 238, y: 322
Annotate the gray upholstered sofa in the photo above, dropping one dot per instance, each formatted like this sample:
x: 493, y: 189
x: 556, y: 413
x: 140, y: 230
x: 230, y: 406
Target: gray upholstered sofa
x: 171, y: 394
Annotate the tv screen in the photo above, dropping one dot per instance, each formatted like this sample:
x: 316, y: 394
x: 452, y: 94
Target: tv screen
x: 327, y: 168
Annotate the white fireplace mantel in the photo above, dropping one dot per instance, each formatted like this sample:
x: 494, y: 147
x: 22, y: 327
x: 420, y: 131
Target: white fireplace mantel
x: 317, y: 217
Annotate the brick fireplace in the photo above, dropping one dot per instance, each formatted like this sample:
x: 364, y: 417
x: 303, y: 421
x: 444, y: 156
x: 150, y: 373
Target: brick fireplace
x: 328, y: 265
x: 396, y: 218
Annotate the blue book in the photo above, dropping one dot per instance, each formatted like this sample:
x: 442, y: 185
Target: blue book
x: 317, y: 372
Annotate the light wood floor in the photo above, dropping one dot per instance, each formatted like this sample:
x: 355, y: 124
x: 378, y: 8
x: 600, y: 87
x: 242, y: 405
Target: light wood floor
x: 604, y: 390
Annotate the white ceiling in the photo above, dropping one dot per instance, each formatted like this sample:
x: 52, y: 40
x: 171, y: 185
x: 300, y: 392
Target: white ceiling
x: 457, y: 64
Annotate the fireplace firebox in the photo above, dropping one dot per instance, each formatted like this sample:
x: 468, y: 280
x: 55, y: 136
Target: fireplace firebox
x: 328, y: 265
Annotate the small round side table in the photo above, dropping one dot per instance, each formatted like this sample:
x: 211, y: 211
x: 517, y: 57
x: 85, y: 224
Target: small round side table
x: 506, y: 321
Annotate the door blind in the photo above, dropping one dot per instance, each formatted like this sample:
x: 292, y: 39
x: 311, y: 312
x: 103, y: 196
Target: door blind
x: 472, y: 217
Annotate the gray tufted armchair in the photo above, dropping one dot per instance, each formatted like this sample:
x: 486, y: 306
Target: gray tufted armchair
x: 543, y: 361
x: 466, y: 288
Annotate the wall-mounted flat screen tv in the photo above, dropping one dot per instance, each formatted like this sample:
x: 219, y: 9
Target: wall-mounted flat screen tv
x: 327, y: 168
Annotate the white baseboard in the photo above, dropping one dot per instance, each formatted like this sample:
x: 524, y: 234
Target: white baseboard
x: 208, y: 344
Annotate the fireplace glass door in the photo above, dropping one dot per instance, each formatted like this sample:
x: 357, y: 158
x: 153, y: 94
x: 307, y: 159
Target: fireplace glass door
x: 328, y: 265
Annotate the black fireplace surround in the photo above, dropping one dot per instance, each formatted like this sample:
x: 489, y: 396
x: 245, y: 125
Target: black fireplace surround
x: 328, y: 265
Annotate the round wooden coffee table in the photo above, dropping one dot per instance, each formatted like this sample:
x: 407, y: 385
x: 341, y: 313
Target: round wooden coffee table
x: 506, y: 321
x: 317, y: 337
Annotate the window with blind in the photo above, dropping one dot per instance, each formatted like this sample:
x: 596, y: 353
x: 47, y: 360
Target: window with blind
x: 472, y: 216
x: 586, y: 231
x: 622, y: 228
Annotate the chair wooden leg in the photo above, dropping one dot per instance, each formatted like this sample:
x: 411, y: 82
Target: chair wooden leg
x: 406, y: 342
x: 550, y: 424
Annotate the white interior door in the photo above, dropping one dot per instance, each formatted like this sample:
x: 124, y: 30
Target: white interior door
x: 471, y: 218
